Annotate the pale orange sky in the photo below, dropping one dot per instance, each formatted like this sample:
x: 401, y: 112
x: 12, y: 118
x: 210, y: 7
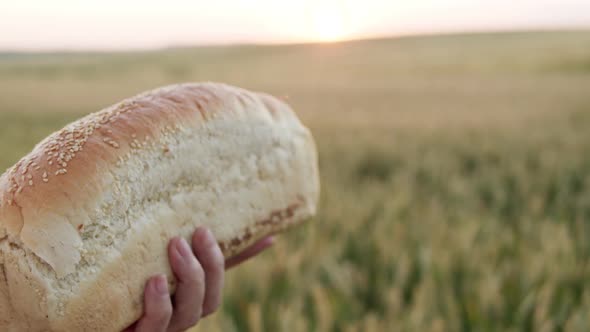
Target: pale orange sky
x: 132, y: 24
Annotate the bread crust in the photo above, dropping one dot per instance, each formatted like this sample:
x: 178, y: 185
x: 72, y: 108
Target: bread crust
x: 86, y: 216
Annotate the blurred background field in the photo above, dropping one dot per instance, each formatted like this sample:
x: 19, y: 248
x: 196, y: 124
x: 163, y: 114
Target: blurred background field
x: 455, y: 170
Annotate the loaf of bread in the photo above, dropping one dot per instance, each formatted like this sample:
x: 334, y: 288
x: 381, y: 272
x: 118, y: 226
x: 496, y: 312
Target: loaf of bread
x: 85, y: 218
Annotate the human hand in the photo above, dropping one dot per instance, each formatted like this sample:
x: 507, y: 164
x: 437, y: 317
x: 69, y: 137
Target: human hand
x: 200, y: 272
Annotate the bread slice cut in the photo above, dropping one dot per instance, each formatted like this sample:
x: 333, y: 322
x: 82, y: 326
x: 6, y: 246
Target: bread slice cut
x: 85, y: 218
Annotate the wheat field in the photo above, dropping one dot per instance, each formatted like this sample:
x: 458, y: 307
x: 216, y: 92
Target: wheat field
x: 455, y: 174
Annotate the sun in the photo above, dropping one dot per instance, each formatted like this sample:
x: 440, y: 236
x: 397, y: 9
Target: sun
x: 329, y: 21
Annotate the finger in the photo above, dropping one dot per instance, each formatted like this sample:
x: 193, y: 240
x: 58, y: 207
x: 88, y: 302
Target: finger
x: 211, y: 258
x: 190, y: 292
x: 157, y: 306
x: 253, y: 250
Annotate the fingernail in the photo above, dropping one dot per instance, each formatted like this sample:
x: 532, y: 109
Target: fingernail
x: 161, y: 285
x: 184, y: 250
x: 206, y: 237
x: 269, y: 240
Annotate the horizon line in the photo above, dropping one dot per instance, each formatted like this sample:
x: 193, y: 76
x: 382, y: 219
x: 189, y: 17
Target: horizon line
x: 351, y: 39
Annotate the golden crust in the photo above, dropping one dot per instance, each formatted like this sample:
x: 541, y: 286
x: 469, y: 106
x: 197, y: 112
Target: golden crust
x: 50, y: 196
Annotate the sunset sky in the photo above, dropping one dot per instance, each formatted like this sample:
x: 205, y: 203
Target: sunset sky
x: 131, y: 24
